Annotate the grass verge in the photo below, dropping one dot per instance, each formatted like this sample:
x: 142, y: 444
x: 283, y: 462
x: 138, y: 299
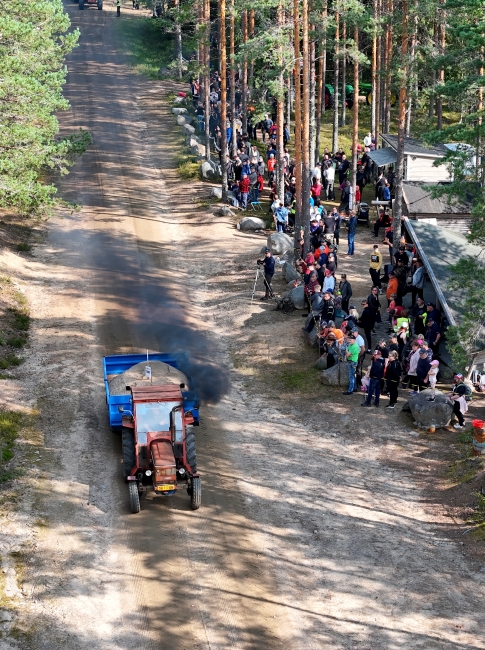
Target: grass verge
x: 466, y: 466
x: 146, y: 45
x: 10, y: 425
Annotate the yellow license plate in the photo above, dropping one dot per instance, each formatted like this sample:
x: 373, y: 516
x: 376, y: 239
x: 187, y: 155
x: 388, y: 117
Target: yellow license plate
x: 165, y: 488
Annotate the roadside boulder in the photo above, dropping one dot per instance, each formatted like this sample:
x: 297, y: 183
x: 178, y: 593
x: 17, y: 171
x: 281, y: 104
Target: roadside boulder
x: 425, y: 413
x: 297, y: 296
x: 321, y: 364
x: 291, y: 285
x: 180, y: 120
x: 210, y: 171
x: 165, y: 72
x: 311, y: 337
x: 179, y: 111
x: 216, y: 192
x: 224, y: 211
x: 179, y: 100
x: 251, y: 223
x: 290, y: 272
x: 279, y: 243
x: 337, y: 375
x: 188, y: 128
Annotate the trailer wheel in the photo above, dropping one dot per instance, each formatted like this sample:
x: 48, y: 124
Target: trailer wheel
x: 328, y: 99
x: 129, y: 457
x: 134, y: 497
x: 196, y: 494
x: 190, y: 449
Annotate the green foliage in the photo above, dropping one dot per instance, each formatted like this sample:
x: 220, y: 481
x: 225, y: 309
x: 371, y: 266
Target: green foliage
x: 188, y: 170
x: 21, y: 320
x: 10, y: 360
x: 16, y: 341
x: 24, y: 248
x: 10, y: 426
x: 34, y: 41
x: 467, y: 282
x: 148, y: 47
x: 478, y: 517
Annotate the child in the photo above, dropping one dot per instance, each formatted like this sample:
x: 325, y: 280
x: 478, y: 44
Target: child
x: 431, y: 377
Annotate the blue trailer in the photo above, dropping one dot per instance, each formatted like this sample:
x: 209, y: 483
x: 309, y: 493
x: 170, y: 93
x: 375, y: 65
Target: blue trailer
x: 118, y: 363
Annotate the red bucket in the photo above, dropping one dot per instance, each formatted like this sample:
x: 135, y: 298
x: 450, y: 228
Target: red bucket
x: 478, y: 424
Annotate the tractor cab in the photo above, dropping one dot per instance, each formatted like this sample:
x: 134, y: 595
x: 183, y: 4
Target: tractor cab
x: 159, y: 443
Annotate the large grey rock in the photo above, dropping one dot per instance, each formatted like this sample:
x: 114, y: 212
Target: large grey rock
x: 179, y: 111
x: 337, y: 375
x: 279, y: 243
x: 297, y: 296
x: 165, y: 72
x: 425, y: 412
x: 188, y: 128
x: 180, y: 120
x: 216, y: 192
x: 210, y: 171
x: 179, y: 100
x: 193, y: 140
x: 290, y: 272
x: 251, y: 223
x: 224, y: 211
x: 291, y: 285
x: 321, y: 364
x: 311, y: 337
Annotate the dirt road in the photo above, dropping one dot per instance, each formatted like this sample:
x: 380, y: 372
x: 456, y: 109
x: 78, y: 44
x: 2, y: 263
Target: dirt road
x: 307, y: 538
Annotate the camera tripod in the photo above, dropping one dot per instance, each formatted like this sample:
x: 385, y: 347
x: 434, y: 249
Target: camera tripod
x: 268, y: 286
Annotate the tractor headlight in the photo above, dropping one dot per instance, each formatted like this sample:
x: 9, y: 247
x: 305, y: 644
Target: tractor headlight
x: 181, y: 471
x: 148, y: 472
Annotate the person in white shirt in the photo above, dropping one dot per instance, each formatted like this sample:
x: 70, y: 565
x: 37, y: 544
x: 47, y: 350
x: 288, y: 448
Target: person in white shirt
x: 432, y: 377
x: 328, y: 282
x: 317, y: 172
x: 368, y: 140
x: 329, y: 175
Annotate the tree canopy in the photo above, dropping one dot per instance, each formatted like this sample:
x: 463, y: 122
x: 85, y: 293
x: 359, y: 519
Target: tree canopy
x: 34, y: 41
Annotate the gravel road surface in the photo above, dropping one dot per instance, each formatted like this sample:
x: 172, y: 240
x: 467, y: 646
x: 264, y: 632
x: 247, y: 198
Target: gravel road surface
x: 307, y: 537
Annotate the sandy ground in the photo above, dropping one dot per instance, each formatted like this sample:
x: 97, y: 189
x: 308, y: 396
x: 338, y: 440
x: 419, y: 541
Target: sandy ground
x: 315, y: 530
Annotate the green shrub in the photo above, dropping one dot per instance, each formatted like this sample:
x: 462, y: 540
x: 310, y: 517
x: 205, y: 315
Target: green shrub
x: 10, y: 360
x: 10, y: 425
x: 16, y: 341
x: 188, y: 170
x: 24, y: 247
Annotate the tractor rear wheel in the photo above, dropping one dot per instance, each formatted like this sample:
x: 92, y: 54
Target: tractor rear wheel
x: 190, y: 449
x: 134, y: 497
x: 129, y: 457
x: 196, y: 494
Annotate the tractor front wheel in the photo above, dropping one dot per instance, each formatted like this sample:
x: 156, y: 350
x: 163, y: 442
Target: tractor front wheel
x: 190, y: 449
x: 134, y: 496
x: 129, y: 456
x: 196, y: 494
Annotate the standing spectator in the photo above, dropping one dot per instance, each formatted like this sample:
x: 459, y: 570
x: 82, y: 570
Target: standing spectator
x: 244, y: 185
x: 352, y: 354
x: 432, y: 378
x: 375, y: 304
x: 316, y: 188
x: 351, y: 230
x: 366, y: 321
x: 376, y: 375
x: 329, y: 176
x: 432, y: 335
x: 417, y: 286
x: 422, y: 369
x: 418, y: 313
x: 375, y: 266
x: 393, y: 377
x: 268, y: 263
x: 342, y: 169
x: 281, y: 218
x: 346, y: 198
x: 345, y: 291
x: 271, y: 168
x: 266, y: 125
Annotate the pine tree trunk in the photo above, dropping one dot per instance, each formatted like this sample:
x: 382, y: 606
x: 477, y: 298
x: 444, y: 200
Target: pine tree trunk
x: 344, y: 71
x: 397, y: 204
x: 178, y: 41
x: 251, y: 35
x: 388, y: 63
x: 442, y: 40
x: 378, y: 81
x: 206, y: 91
x: 355, y: 115
x: 336, y: 80
x: 233, y: 143
x: 312, y: 101
x: 374, y: 69
x: 414, y: 75
x: 297, y: 71
x: 280, y: 111
x: 318, y: 112
x: 244, y: 84
x: 223, y: 71
x: 289, y: 85
x: 305, y: 144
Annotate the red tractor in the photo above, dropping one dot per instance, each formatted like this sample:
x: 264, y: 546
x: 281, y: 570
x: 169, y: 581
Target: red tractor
x: 159, y: 444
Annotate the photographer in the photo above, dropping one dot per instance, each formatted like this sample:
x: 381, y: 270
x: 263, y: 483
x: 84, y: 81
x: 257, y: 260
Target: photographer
x: 268, y: 263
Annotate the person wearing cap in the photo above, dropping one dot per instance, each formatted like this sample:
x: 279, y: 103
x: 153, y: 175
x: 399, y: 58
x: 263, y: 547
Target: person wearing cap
x: 458, y: 399
x: 433, y: 312
x: 432, y: 334
x: 352, y: 353
x: 268, y: 263
x: 422, y: 369
x: 345, y: 290
x: 375, y: 265
x: 376, y: 376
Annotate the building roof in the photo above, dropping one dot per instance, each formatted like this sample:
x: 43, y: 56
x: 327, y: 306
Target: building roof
x: 440, y: 248
x: 418, y: 200
x: 415, y: 147
x: 381, y: 157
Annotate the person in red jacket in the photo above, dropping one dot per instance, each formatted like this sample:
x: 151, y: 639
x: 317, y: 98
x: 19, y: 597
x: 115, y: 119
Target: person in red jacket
x: 244, y: 185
